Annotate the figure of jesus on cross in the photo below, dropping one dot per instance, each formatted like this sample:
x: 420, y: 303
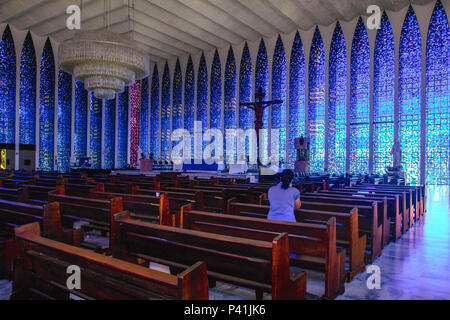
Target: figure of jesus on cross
x: 258, y: 106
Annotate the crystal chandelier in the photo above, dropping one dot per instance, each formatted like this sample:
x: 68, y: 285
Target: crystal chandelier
x: 105, y: 61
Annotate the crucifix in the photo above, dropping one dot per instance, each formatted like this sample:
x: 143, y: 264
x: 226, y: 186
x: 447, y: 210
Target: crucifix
x: 258, y: 106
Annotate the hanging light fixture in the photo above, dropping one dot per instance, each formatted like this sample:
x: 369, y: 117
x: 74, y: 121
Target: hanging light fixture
x: 105, y: 61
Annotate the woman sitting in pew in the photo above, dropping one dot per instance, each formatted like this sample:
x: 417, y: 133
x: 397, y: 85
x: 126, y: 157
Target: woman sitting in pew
x: 284, y: 199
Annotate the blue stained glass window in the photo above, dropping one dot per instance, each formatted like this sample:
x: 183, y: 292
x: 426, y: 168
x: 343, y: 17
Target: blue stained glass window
x: 154, y: 115
x: 337, y: 106
x: 316, y: 111
x: 359, y: 100
x: 47, y: 109
x: 189, y: 99
x: 229, y: 111
x: 109, y: 134
x: 166, y: 112
x: 202, y: 94
x: 278, y: 111
x: 189, y: 96
x: 177, y: 98
x: 27, y: 106
x: 262, y: 81
x: 80, y: 123
x: 122, y: 128
x: 144, y: 117
x: 409, y: 96
x: 7, y: 88
x: 64, y: 120
x: 95, y: 141
x: 437, y: 98
x: 383, y: 97
x: 296, y: 97
x: 215, y: 111
x: 245, y: 93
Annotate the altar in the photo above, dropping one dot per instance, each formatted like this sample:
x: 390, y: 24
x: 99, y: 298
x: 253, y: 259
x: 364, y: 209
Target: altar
x: 146, y: 164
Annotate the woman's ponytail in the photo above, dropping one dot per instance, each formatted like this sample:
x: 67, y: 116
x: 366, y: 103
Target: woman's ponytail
x: 286, y: 178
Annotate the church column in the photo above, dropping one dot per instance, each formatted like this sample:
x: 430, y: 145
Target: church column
x: 327, y: 36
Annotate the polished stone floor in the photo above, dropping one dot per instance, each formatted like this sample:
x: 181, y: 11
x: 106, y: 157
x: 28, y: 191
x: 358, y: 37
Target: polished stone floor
x: 417, y: 266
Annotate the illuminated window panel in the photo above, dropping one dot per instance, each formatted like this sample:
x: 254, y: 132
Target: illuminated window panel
x: 144, y: 119
x: 122, y: 128
x: 109, y: 134
x: 437, y: 98
x: 316, y: 111
x: 202, y: 95
x: 189, y: 99
x: 230, y: 105
x: 278, y: 111
x: 337, y: 105
x: 155, y: 133
x: 245, y: 93
x: 95, y: 134
x: 189, y: 96
x: 135, y: 105
x: 409, y: 96
x: 359, y: 100
x: 262, y: 81
x: 177, y: 98
x: 80, y: 123
x: 64, y: 120
x: 296, y: 97
x: 27, y: 105
x: 8, y: 88
x: 177, y: 101
x: 47, y: 109
x: 166, y: 113
x: 383, y: 97
x: 215, y: 110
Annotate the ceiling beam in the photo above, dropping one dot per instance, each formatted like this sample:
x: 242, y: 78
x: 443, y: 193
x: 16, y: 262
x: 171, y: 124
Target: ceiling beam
x: 265, y: 11
x: 167, y: 17
x: 166, y: 30
x: 246, y: 16
x: 222, y: 18
x: 196, y: 19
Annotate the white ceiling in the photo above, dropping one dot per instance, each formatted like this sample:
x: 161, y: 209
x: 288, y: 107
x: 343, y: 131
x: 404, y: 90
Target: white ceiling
x: 171, y: 28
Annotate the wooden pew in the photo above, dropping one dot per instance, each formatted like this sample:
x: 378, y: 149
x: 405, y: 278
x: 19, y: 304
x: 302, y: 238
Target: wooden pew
x: 311, y: 245
x: 14, y: 214
x: 96, y: 212
x: 367, y: 219
x: 369, y: 223
x: 213, y: 200
x: 416, y: 199
x: 394, y: 211
x: 19, y: 194
x: 40, y: 272
x: 39, y: 194
x: 347, y: 229
x: 177, y: 198
x: 405, y: 203
x: 150, y: 208
x: 259, y: 265
x: 382, y: 205
x: 80, y: 190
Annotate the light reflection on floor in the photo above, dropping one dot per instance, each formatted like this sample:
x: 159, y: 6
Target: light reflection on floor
x: 417, y: 266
